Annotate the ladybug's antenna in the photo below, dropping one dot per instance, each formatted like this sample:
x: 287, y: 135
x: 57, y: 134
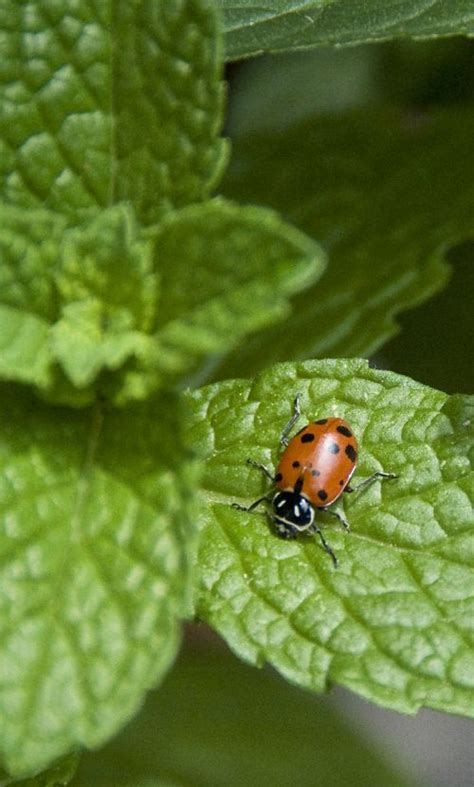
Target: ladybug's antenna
x: 289, y: 426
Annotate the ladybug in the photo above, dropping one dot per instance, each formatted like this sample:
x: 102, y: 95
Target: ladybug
x: 314, y: 470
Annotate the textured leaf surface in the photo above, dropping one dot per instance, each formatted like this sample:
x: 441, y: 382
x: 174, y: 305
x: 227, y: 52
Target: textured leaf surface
x: 77, y: 302
x: 84, y: 348
x: 395, y: 621
x: 276, y: 25
x: 128, y: 310
x: 109, y: 259
x: 216, y: 261
x: 108, y: 102
x: 24, y: 352
x: 108, y: 289
x: 29, y: 252
x: 95, y: 550
x: 387, y: 193
x: 190, y: 733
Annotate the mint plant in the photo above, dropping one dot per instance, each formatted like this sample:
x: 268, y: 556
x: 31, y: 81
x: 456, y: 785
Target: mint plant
x: 126, y: 284
x: 391, y: 622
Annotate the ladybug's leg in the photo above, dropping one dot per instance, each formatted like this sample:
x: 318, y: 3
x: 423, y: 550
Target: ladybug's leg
x: 368, y: 481
x: 289, y: 426
x: 340, y: 517
x: 284, y: 531
x: 327, y: 548
x: 252, y: 505
x: 264, y: 469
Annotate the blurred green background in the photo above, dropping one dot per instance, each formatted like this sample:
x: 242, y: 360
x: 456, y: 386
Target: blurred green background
x: 216, y: 721
x: 270, y: 93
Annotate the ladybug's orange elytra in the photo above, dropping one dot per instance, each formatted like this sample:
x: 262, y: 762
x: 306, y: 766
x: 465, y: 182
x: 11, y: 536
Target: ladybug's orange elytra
x: 322, y: 457
x: 313, y: 472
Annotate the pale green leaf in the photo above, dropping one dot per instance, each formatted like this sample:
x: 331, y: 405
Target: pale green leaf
x: 109, y: 102
x: 110, y: 259
x: 29, y: 252
x: 226, y: 271
x: 95, y: 555
x: 276, y: 25
x: 108, y: 289
x: 386, y: 193
x: 81, y: 297
x: 83, y: 347
x: 130, y: 311
x: 25, y: 355
x: 394, y: 622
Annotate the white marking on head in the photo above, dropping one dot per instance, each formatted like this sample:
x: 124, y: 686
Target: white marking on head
x: 296, y: 511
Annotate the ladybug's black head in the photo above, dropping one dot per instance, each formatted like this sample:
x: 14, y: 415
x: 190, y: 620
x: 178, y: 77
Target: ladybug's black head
x: 292, y: 508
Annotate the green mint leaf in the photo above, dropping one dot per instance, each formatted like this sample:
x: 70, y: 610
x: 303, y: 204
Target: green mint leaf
x: 118, y: 327
x: 111, y: 260
x: 108, y: 289
x: 394, y: 621
x: 109, y: 103
x: 25, y: 355
x: 216, y: 260
x: 82, y: 345
x: 252, y: 28
x: 96, y: 549
x: 190, y: 730
x: 80, y: 305
x: 386, y: 193
x: 29, y: 251
x: 99, y: 291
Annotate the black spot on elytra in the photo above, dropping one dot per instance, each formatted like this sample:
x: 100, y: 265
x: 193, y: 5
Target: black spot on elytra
x: 278, y: 477
x: 322, y: 494
x: 351, y: 452
x: 333, y: 448
x: 315, y: 473
x: 341, y: 482
x: 296, y: 464
x: 321, y: 421
x: 308, y: 437
x: 344, y: 430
